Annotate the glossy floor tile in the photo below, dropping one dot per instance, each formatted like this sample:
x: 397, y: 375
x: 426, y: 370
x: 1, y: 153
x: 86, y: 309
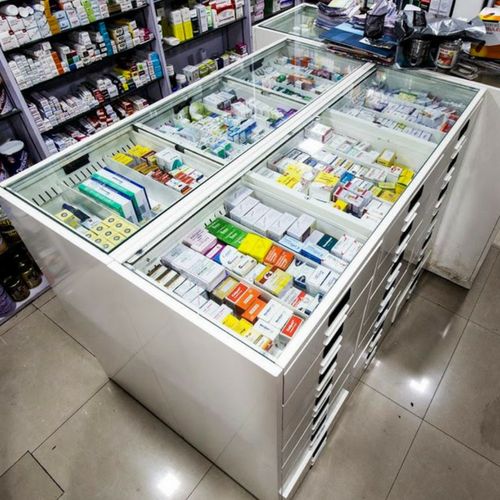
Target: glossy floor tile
x: 45, y: 377
x: 364, y: 450
x: 26, y: 480
x: 487, y: 310
x: 125, y: 451
x: 467, y: 403
x: 454, y: 297
x: 218, y: 486
x: 54, y: 310
x: 413, y: 357
x: 44, y: 298
x: 439, y: 468
x: 23, y: 313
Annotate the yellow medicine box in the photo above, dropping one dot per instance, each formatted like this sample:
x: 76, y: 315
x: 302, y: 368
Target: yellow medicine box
x: 341, y: 205
x: 68, y: 218
x: 256, y: 246
x: 327, y: 179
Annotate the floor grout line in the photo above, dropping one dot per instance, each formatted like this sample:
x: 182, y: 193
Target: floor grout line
x: 404, y: 459
x: 20, y: 321
x: 47, y: 472
x: 199, y: 482
x: 484, y: 285
x: 462, y: 443
x: 433, y: 302
x: 64, y: 330
x: 70, y: 416
x: 489, y: 330
x: 10, y: 466
x: 446, y: 368
x: 390, y: 399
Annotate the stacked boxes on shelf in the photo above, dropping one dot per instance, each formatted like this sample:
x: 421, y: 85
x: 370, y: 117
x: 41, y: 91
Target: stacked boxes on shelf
x: 23, y: 25
x: 257, y: 9
x: 183, y: 24
x: 46, y: 60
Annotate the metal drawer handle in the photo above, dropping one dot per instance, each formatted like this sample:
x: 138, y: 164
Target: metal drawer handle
x: 381, y: 320
x: 386, y: 300
x: 326, y: 380
x: 320, y: 421
x: 393, y: 276
x: 411, y: 215
x: 371, y: 356
x: 448, y: 176
x: 321, y: 402
x: 326, y: 362
x: 401, y: 248
x: 408, y: 221
x: 460, y: 144
x: 376, y: 340
x: 334, y: 327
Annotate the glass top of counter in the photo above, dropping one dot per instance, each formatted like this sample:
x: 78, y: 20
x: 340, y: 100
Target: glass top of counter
x: 295, y: 69
x: 407, y: 103
x: 109, y: 189
x: 268, y: 248
x: 300, y: 21
x: 222, y: 119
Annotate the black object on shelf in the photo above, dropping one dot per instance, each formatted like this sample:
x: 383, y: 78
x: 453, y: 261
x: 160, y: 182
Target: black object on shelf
x: 75, y: 28
x: 167, y: 48
x: 95, y: 63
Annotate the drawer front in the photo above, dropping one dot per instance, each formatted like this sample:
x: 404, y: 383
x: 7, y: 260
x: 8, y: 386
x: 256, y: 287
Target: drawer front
x: 338, y: 345
x: 292, y: 479
x: 350, y: 299
x: 395, y: 237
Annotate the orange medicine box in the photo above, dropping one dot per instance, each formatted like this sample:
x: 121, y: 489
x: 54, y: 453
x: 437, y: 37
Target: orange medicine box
x: 273, y: 255
x: 236, y: 294
x: 246, y: 300
x: 291, y: 326
x: 252, y: 313
x: 284, y: 260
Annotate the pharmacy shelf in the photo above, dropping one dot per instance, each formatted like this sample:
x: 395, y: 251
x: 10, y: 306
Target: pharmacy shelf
x: 75, y: 28
x: 221, y: 37
x: 34, y: 294
x: 95, y: 63
x: 168, y: 48
x: 110, y: 100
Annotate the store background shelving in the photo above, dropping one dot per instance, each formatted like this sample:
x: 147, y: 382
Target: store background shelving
x: 20, y: 124
x: 214, y: 42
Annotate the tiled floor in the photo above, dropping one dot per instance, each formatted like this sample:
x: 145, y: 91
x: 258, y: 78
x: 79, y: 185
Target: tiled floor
x: 424, y: 423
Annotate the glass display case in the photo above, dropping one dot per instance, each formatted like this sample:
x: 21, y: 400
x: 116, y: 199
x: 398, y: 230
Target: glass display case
x: 295, y: 69
x: 407, y: 103
x: 222, y: 119
x: 107, y: 191
x: 256, y: 261
x: 299, y: 22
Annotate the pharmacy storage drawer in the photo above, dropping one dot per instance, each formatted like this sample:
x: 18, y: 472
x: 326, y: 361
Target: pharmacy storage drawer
x: 337, y: 351
x: 337, y: 316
